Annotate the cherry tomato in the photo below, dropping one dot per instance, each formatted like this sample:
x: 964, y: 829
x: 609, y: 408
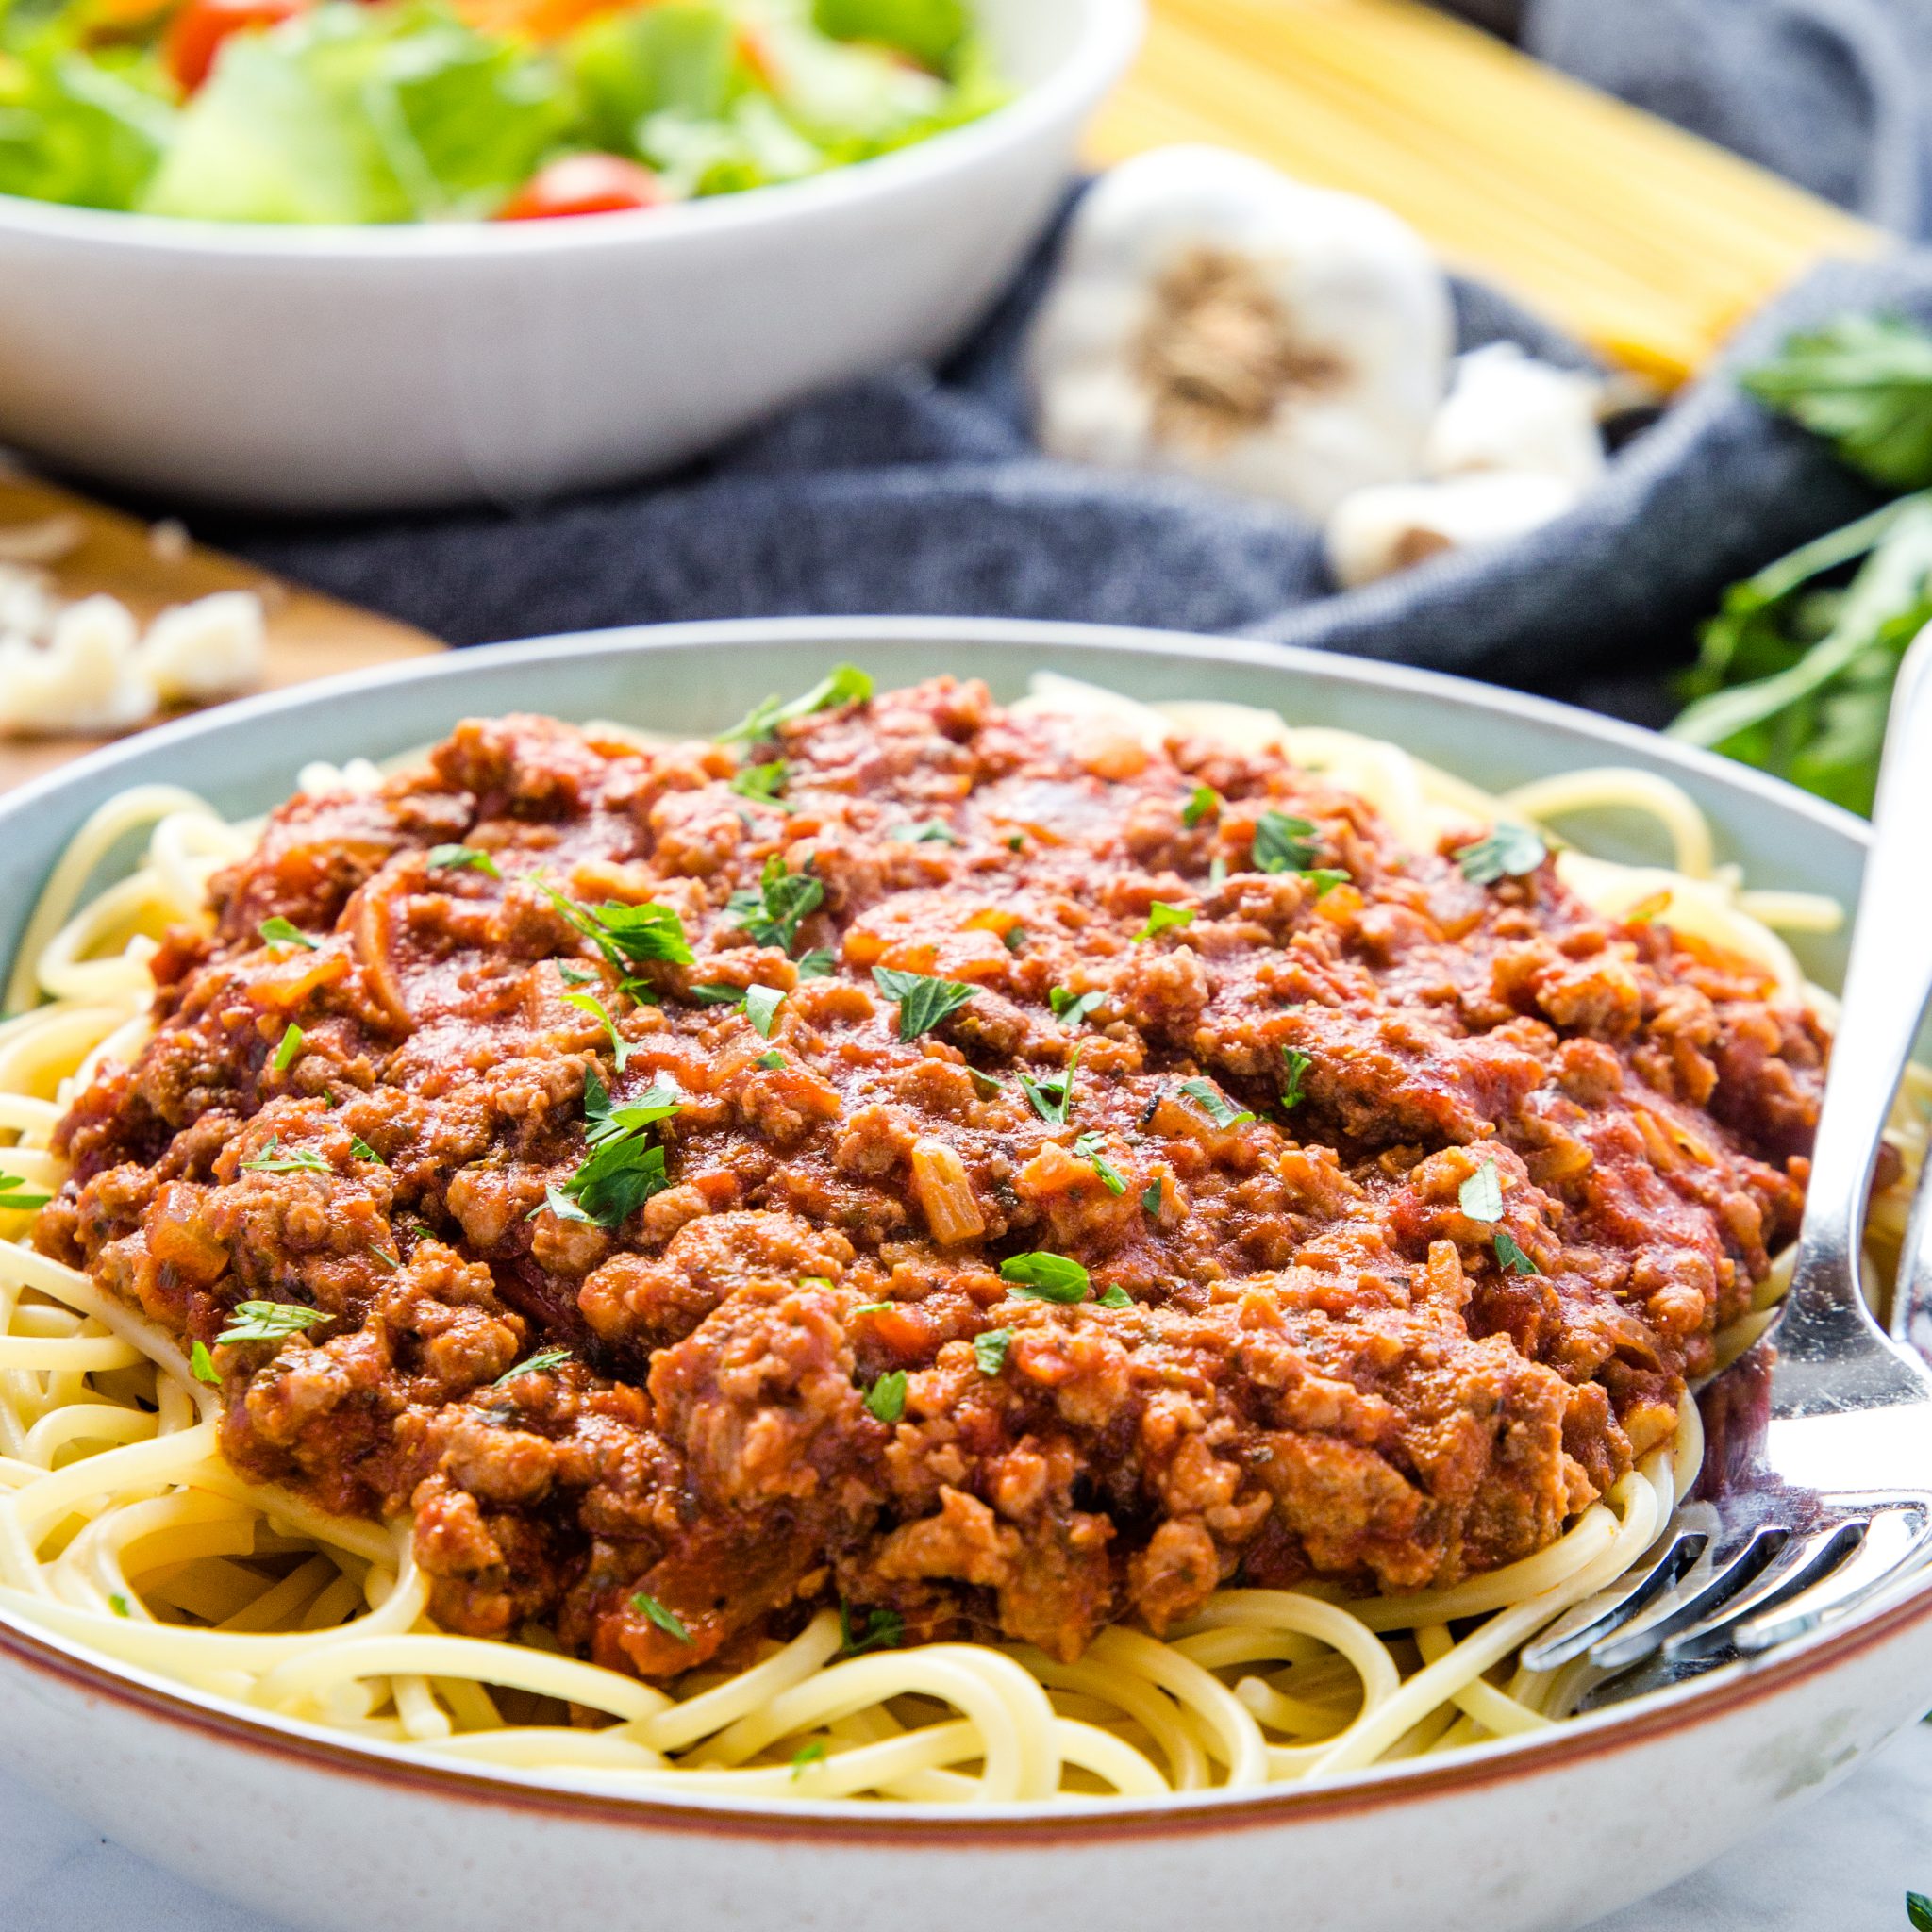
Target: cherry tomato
x: 583, y: 185
x: 196, y: 33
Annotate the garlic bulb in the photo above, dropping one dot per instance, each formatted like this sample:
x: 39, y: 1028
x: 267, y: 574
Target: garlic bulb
x: 1506, y: 410
x: 1212, y: 316
x: 1390, y: 527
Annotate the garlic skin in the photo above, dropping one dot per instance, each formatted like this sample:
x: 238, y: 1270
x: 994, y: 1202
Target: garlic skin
x: 1214, y: 318
x: 1506, y: 410
x: 212, y: 648
x: 1395, y: 525
x: 86, y: 677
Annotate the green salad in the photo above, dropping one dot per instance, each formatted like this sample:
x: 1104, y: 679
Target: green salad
x: 415, y: 111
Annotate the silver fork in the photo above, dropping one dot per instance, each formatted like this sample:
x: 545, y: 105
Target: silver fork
x: 1817, y: 1492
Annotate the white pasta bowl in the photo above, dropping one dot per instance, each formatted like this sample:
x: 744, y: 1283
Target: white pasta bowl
x: 340, y: 368
x: 1546, y: 1831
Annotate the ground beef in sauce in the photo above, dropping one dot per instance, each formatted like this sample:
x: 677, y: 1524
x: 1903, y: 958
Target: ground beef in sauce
x: 1321, y: 1368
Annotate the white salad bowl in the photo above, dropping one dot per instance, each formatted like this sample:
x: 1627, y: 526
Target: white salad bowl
x: 1536, y: 1835
x: 381, y: 368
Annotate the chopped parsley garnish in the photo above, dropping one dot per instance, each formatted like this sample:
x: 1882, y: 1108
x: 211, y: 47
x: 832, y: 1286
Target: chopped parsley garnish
x: 924, y: 1000
x: 290, y: 1045
x: 845, y: 685
x: 1283, y: 842
x: 816, y: 964
x: 1043, y: 1277
x: 880, y: 1631
x: 864, y: 1309
x: 1070, y: 1009
x: 1150, y: 1198
x: 714, y: 993
x: 572, y: 974
x: 990, y: 1350
x: 1053, y: 1096
x: 622, y: 1171
x: 269, y: 1320
x: 761, y: 1004
x: 14, y: 1193
x: 298, y: 1160
x: 1214, y: 1103
x: 667, y: 1621
x: 120, y: 1606
x: 363, y: 1151
x: 284, y: 932
x: 1205, y: 804
x: 770, y: 1062
x: 1014, y: 938
x: 603, y: 1122
x: 772, y: 912
x: 1919, y: 1911
x: 461, y: 857
x: 886, y: 1398
x: 1325, y: 879
x: 1298, y: 1065
x: 1510, y: 1257
x: 544, y: 1360
x: 1217, y: 871
x: 933, y: 832
x: 383, y: 1254
x: 763, y: 782
x: 1480, y: 1196
x: 1016, y: 841
x: 626, y: 935
x: 1116, y: 1298
x: 1088, y: 1148
x: 985, y: 1084
x: 560, y: 1204
x: 201, y: 1365
x: 806, y: 1754
x: 1511, y: 851
x: 1162, y: 917
x: 589, y: 1003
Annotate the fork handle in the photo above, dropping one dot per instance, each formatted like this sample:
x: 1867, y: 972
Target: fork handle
x: 1886, y: 982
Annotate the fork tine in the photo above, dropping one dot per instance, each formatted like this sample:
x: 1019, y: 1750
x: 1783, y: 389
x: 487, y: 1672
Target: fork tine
x: 1897, y: 1539
x: 1597, y: 1616
x: 1732, y: 1567
x: 1803, y: 1561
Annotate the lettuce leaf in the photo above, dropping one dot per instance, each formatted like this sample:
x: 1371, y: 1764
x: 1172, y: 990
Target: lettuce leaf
x: 678, y: 58
x: 929, y: 30
x: 362, y: 115
x: 73, y: 129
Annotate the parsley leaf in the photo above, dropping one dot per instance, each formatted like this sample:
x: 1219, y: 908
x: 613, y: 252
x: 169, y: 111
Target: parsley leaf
x: 1864, y: 383
x: 933, y: 832
x: 1043, y: 1277
x: 119, y: 1604
x: 544, y: 1360
x: 886, y: 1398
x: 1480, y: 1196
x: 1162, y: 917
x: 572, y: 974
x: 1215, y: 1104
x: 770, y: 1062
x: 816, y: 964
x: 284, y: 932
x: 626, y: 935
x: 763, y: 782
x: 1919, y: 1911
x: 1116, y: 1298
x: 667, y: 1621
x: 1150, y: 1199
x: 1205, y: 804
x: 363, y: 1151
x: 590, y: 1003
x: 299, y: 1160
x: 881, y: 1630
x: 806, y: 1754
x: 14, y: 1193
x: 1325, y: 879
x: 844, y: 684
x: 1070, y: 1009
x: 1014, y: 938
x: 1298, y: 1065
x: 761, y: 1004
x: 1088, y: 1148
x: 457, y: 857
x: 603, y: 1122
x: 990, y: 1350
x: 1053, y: 1096
x: 1217, y: 871
x: 201, y: 1365
x: 771, y: 912
x: 1511, y: 851
x: 924, y: 1000
x: 290, y: 1045
x: 616, y: 1179
x: 560, y: 1204
x: 269, y: 1320
x: 1510, y: 1257
x: 1283, y: 842
x: 715, y: 992
x: 985, y: 1084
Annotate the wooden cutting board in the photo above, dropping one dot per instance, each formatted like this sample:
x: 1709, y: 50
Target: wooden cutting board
x: 310, y: 636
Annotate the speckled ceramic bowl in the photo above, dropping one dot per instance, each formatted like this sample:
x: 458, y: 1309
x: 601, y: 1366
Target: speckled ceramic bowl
x: 1545, y: 1832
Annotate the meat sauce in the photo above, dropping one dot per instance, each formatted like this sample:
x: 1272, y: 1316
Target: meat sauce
x: 786, y: 1369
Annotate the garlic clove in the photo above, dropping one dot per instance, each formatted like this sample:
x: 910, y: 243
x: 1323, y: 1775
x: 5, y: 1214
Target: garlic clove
x: 1393, y: 527
x: 1506, y: 410
x: 85, y: 678
x: 1213, y: 317
x: 212, y: 648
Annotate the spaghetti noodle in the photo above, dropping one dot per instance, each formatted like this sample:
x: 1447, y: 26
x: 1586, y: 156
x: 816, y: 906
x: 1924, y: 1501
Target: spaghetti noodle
x: 123, y: 1529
